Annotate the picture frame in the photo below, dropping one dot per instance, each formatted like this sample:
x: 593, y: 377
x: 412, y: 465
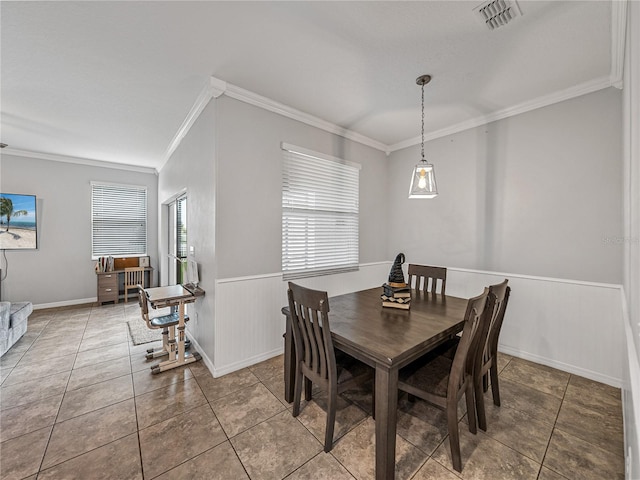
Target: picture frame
x: 144, y: 262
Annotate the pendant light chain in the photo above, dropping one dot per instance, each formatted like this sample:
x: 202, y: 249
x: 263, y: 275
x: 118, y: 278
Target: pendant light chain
x: 423, y: 121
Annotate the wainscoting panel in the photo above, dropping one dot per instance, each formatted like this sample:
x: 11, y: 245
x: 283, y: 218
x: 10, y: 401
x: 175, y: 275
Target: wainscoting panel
x: 573, y: 326
x: 248, y: 321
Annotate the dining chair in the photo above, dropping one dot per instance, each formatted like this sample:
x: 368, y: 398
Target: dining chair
x: 486, y: 362
x: 166, y: 322
x: 315, y: 354
x: 425, y: 277
x: 133, y: 276
x: 442, y: 382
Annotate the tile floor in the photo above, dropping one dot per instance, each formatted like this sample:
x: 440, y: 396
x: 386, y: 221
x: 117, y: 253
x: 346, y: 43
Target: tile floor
x: 77, y: 401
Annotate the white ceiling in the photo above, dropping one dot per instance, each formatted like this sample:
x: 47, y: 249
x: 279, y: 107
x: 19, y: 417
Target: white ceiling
x: 114, y: 81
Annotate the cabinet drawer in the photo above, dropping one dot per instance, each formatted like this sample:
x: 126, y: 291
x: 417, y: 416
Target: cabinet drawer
x: 108, y: 280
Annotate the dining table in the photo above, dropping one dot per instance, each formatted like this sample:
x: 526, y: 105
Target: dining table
x: 386, y: 339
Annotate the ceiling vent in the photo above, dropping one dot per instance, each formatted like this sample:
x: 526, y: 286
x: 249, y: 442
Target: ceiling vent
x: 497, y: 13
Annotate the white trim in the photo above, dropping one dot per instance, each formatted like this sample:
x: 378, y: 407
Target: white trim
x: 265, y: 103
x: 213, y: 89
x: 66, y: 303
x: 77, y: 160
x: 219, y: 372
x: 279, y: 274
x: 537, y: 278
x: 618, y: 37
x: 557, y: 97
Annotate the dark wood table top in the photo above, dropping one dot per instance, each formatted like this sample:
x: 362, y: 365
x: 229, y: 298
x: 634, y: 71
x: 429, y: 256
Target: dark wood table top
x: 390, y: 336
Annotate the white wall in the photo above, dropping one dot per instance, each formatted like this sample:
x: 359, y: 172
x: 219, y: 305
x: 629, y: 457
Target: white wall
x: 61, y: 271
x: 536, y: 194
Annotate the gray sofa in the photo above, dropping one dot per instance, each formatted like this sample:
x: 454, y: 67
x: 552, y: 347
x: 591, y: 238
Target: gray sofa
x: 13, y: 323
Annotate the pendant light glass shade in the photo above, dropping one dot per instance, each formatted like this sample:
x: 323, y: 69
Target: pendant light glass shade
x: 423, y: 181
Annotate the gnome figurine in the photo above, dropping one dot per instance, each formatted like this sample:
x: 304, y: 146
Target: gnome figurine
x: 396, y: 276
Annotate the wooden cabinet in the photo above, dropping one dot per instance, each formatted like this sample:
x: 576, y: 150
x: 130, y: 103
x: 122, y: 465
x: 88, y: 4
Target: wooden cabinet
x: 107, y: 287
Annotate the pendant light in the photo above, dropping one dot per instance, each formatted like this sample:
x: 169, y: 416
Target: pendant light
x: 423, y: 178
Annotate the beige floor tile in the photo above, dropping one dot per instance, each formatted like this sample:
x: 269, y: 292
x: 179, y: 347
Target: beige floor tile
x: 594, y: 396
x: 276, y: 447
x: 323, y: 466
x: 542, y: 378
x: 246, y: 408
x: 575, y: 458
x: 24, y: 372
x: 600, y: 429
x: 486, y: 459
x: 97, y: 341
x: 421, y: 424
x: 99, y: 372
x: 11, y: 358
x: 276, y: 386
x: 546, y: 474
x: 29, y: 418
x: 537, y: 404
x: 145, y: 381
x: 167, y: 444
x: 94, y: 397
x: 313, y: 415
x: 356, y: 452
x: 21, y: 456
x: 215, y: 388
x: 43, y: 356
x: 89, y: 431
x: 116, y: 460
x: 166, y: 402
x: 269, y: 368
x: 432, y: 470
x: 32, y: 391
x: 219, y: 463
x: 101, y: 354
x: 520, y: 431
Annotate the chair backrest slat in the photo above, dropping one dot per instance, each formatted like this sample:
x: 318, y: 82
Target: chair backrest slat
x: 501, y: 291
x: 425, y: 278
x: 311, y: 331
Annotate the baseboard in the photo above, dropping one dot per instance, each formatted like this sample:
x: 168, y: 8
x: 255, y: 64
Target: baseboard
x: 66, y: 303
x: 565, y: 367
x: 196, y: 346
x: 219, y: 372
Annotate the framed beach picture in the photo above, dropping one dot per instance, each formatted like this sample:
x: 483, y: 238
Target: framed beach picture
x: 18, y: 222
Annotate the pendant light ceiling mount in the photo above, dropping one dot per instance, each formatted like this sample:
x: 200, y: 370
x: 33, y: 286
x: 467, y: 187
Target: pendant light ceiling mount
x: 423, y: 179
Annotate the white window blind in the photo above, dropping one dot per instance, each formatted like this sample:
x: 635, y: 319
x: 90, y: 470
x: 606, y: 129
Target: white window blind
x: 319, y: 214
x: 118, y: 220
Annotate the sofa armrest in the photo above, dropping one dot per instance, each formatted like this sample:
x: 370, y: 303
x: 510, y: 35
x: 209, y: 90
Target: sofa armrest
x: 5, y: 315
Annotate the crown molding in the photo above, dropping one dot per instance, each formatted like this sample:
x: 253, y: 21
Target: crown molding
x: 77, y: 160
x: 618, y: 37
x: 557, y: 97
x: 213, y: 89
x: 265, y: 103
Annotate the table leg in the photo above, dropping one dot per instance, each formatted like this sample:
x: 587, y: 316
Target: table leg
x: 386, y: 414
x: 179, y: 358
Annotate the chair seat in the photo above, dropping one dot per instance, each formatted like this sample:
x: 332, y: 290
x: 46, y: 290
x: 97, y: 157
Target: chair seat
x: 168, y: 320
x: 429, y: 374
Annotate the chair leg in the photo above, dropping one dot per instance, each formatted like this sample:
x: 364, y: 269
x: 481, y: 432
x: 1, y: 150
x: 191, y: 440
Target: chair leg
x: 471, y: 408
x: 495, y: 389
x: 308, y: 386
x: 297, y: 393
x: 485, y: 382
x: 454, y: 436
x: 332, y: 401
x: 479, y: 397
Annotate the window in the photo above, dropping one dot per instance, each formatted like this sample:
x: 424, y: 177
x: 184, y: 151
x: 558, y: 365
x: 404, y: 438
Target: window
x: 177, y: 227
x: 319, y: 214
x: 118, y: 220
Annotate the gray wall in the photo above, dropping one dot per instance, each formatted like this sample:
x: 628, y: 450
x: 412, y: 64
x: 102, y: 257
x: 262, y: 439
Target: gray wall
x: 536, y: 194
x: 192, y: 168
x: 61, y: 269
x: 249, y: 216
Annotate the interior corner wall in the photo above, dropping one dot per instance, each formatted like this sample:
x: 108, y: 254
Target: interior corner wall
x: 61, y: 272
x: 536, y: 194
x: 192, y: 168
